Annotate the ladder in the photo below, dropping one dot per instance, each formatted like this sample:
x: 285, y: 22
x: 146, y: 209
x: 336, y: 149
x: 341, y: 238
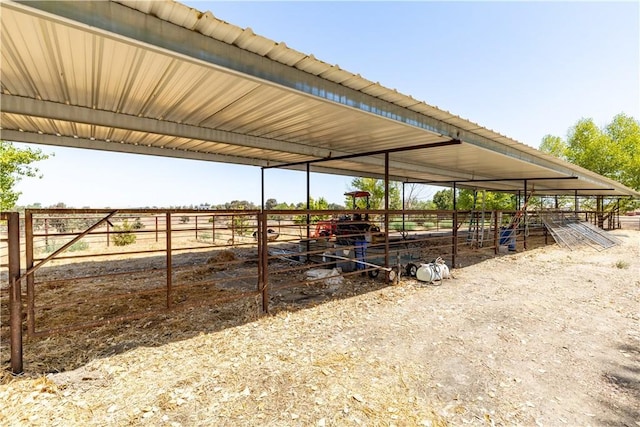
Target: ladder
x: 472, y: 232
x: 477, y: 221
x: 484, y: 204
x: 517, y: 218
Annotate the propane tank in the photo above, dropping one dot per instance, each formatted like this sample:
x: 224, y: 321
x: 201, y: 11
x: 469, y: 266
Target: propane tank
x: 428, y: 273
x: 433, y: 271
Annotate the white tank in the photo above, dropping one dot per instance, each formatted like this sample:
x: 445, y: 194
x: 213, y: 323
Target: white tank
x: 427, y: 273
x: 433, y: 271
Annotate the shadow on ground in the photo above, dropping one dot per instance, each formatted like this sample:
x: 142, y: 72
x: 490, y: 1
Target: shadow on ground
x: 195, y: 311
x: 624, y: 382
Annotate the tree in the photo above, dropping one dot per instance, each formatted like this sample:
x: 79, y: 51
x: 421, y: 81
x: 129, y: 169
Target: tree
x: 15, y: 163
x: 270, y: 204
x: 443, y: 200
x: 625, y: 131
x: 613, y: 151
x: 412, y: 194
x: 553, y: 145
x: 315, y: 205
x: 376, y: 188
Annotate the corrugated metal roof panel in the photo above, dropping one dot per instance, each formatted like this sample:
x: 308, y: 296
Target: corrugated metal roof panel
x: 255, y: 118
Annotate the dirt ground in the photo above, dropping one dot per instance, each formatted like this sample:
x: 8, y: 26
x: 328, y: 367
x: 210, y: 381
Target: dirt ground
x: 545, y: 337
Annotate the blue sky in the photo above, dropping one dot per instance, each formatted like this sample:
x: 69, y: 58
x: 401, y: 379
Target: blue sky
x: 523, y: 69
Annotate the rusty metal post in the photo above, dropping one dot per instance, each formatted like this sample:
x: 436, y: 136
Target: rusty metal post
x: 524, y: 215
x: 156, y: 228
x: 403, y: 208
x: 15, y: 295
x: 454, y: 229
x: 262, y: 188
x: 196, y: 220
x: 496, y: 233
x: 169, y: 262
x: 264, y: 263
x: 233, y: 230
x: 213, y: 229
x: 260, y: 271
x: 28, y: 237
x: 386, y: 214
x: 46, y: 232
x: 308, y: 216
x: 108, y: 225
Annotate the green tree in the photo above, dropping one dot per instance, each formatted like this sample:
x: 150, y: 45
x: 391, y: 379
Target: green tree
x: 319, y: 204
x: 270, y: 204
x: 613, y: 151
x: 443, y: 200
x: 15, y: 163
x: 553, y: 145
x: 625, y: 132
x: 376, y: 188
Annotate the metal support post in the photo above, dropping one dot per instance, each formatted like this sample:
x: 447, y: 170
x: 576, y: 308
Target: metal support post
x: 262, y: 188
x: 524, y: 215
x: 308, y: 207
x: 264, y: 262
x: 28, y: 245
x: 386, y: 214
x: 454, y: 229
x: 15, y: 295
x: 496, y: 233
x: 169, y: 262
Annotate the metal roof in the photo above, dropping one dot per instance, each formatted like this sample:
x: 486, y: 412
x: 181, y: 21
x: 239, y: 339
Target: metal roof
x: 160, y: 78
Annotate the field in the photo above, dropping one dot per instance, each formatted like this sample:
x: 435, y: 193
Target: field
x: 546, y: 336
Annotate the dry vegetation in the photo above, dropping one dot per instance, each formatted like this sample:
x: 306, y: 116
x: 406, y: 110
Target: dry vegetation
x: 546, y: 337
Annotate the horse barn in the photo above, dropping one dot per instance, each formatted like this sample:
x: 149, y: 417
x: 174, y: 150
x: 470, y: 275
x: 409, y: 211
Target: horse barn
x: 126, y: 76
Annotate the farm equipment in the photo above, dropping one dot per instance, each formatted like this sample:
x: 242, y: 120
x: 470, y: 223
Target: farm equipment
x: 347, y: 229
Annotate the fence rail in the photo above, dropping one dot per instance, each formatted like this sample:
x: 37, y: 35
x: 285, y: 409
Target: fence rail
x: 84, y: 268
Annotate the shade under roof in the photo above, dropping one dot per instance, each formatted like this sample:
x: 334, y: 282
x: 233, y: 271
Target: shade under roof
x: 160, y: 78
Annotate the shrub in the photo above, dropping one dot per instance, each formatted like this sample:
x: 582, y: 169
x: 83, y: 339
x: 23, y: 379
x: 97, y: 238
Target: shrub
x: 54, y: 245
x: 124, y: 235
x: 622, y: 264
x: 204, y: 237
x: 408, y: 225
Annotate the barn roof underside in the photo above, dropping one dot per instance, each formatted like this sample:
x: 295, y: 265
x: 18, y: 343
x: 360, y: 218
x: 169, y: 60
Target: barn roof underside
x: 160, y: 78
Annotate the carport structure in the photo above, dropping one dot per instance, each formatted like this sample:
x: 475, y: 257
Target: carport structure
x: 159, y: 78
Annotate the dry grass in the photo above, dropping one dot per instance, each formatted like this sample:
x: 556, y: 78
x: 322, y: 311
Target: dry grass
x: 274, y: 370
x: 407, y: 355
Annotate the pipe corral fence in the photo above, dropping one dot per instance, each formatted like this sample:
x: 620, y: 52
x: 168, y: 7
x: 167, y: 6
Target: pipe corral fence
x: 70, y: 269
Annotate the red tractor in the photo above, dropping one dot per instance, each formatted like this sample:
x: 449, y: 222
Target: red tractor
x: 347, y: 225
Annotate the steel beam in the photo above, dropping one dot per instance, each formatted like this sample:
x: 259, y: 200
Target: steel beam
x: 372, y: 153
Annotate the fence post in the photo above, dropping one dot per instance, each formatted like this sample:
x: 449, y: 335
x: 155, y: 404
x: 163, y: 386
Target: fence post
x: 496, y: 233
x: 28, y: 244
x: 15, y: 295
x: 213, y: 229
x: 263, y: 263
x: 454, y: 234
x: 169, y: 260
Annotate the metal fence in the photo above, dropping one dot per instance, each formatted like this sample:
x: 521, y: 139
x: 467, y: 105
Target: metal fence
x: 84, y: 268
